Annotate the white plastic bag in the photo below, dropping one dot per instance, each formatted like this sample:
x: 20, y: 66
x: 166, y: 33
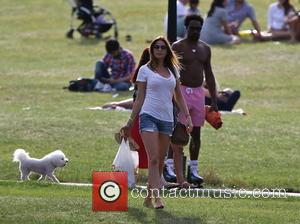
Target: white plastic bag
x: 126, y: 160
x: 99, y: 86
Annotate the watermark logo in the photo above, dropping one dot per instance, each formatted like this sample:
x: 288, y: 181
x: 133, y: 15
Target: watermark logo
x: 209, y: 193
x: 110, y: 191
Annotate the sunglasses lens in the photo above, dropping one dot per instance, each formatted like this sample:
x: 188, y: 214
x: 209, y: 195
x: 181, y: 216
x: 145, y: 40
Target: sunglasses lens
x: 162, y: 47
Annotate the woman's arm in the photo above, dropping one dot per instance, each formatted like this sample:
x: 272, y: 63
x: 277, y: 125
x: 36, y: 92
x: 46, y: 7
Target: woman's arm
x: 124, y: 79
x: 226, y: 26
x: 222, y: 16
x: 138, y: 103
x: 183, y: 107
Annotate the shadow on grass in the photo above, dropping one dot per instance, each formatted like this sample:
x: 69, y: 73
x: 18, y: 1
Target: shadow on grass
x: 89, y: 41
x: 93, y: 40
x: 161, y: 216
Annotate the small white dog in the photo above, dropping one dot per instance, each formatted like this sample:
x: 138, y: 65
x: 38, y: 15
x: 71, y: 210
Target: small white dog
x: 44, y: 166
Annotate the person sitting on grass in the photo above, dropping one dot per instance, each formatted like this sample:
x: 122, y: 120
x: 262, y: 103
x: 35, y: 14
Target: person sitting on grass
x: 128, y: 103
x: 193, y: 9
x: 116, y: 67
x: 283, y: 22
x: 238, y: 11
x: 216, y: 28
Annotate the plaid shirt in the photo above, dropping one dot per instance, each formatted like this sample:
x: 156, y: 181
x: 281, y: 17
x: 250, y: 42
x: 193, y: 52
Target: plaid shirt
x: 120, y: 66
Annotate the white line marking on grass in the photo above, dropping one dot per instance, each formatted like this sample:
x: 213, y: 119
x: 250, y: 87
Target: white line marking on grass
x: 77, y: 184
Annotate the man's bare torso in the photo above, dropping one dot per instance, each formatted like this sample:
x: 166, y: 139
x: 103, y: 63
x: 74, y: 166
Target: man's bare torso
x: 193, y: 58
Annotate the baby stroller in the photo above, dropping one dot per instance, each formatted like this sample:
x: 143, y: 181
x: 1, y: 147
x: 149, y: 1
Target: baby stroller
x: 95, y: 20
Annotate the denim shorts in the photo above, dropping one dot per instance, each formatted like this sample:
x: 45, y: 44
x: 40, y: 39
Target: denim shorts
x: 152, y: 124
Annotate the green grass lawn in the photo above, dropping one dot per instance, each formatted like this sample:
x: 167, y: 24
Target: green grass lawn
x: 260, y: 150
x: 48, y: 203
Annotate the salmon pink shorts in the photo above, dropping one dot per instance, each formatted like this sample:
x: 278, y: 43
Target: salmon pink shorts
x: 195, y: 100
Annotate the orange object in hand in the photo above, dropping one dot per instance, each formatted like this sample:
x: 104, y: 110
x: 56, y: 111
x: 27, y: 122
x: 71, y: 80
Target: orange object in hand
x: 213, y: 117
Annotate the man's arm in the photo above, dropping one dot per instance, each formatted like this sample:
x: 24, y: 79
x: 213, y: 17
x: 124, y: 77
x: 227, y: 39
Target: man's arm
x: 123, y: 79
x: 252, y: 16
x: 107, y: 60
x: 210, y: 80
x: 130, y: 66
x: 107, y: 63
x: 256, y: 26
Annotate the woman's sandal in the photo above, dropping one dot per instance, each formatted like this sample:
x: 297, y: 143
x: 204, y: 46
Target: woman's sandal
x: 186, y: 185
x: 168, y: 185
x: 159, y: 205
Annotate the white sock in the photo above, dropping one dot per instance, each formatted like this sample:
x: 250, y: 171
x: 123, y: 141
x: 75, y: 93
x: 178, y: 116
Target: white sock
x: 169, y: 162
x: 193, y: 163
x: 194, y: 167
x: 170, y: 166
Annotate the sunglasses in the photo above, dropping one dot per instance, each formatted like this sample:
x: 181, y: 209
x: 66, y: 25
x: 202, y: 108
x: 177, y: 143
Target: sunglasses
x: 162, y: 47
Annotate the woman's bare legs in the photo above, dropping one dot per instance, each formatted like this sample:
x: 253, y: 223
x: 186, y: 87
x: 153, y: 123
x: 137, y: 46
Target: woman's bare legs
x: 127, y: 104
x: 275, y: 35
x: 156, y: 145
x: 164, y: 143
x: 281, y: 35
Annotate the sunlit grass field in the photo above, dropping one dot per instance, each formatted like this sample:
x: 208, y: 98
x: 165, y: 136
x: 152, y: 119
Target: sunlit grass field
x: 260, y: 150
x: 48, y: 203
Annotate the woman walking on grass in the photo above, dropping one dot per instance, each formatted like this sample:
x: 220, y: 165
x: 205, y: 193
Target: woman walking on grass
x: 158, y: 83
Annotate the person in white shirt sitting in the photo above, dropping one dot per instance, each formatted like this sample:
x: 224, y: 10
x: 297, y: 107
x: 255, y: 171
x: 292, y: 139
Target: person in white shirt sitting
x: 281, y: 19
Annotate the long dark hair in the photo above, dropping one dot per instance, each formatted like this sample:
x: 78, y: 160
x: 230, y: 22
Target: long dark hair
x: 215, y: 3
x: 171, y: 60
x: 287, y: 7
x: 145, y: 57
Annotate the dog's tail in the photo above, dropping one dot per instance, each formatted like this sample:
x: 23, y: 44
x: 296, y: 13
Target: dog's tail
x: 20, y: 155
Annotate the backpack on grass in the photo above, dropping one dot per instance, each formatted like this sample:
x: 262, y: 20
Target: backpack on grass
x: 82, y: 85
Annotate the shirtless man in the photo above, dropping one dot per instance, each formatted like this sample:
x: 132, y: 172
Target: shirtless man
x: 196, y: 60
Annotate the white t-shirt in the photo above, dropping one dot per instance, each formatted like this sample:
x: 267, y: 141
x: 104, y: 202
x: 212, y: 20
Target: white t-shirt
x: 181, y: 9
x: 159, y: 93
x: 276, y: 17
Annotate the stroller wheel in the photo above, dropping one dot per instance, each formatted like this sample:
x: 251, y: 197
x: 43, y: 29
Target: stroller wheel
x: 69, y: 34
x: 85, y: 30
